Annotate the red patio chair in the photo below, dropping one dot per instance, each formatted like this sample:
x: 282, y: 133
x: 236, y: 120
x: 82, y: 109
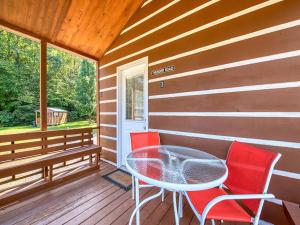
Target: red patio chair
x: 249, y: 173
x: 140, y: 140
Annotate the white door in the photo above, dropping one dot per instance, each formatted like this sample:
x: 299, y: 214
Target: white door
x: 134, y: 105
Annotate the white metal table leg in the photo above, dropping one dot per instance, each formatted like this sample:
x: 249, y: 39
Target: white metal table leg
x: 132, y: 187
x: 137, y: 200
x: 175, y: 208
x: 180, y: 205
x: 142, y: 203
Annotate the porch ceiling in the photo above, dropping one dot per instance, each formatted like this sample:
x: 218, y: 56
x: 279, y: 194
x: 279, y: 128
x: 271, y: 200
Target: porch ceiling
x: 87, y: 27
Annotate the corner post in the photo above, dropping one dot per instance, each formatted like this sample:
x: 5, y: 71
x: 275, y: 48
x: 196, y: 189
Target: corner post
x: 43, y: 85
x: 98, y: 155
x: 98, y: 102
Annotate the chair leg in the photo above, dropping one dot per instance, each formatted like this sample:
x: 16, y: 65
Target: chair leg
x: 163, y: 196
x: 132, y: 187
x: 213, y: 222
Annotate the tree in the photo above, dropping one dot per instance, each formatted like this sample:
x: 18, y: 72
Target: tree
x: 19, y: 79
x: 71, y: 81
x: 85, y: 91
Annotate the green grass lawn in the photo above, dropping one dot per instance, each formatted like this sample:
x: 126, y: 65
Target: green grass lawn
x: 22, y: 129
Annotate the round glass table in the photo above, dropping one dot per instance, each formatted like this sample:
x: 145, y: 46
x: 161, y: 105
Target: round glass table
x: 174, y: 168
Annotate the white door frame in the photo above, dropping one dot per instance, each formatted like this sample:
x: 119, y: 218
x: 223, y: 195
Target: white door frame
x: 142, y: 61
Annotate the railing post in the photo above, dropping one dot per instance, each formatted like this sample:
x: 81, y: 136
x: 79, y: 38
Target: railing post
x: 43, y: 95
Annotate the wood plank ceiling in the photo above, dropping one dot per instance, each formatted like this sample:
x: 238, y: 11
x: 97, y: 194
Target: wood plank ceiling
x: 87, y: 27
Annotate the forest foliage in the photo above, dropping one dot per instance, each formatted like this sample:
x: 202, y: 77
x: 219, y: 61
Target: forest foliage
x: 71, y: 81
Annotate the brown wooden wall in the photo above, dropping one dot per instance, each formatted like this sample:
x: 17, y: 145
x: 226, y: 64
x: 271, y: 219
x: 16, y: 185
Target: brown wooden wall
x: 237, y: 77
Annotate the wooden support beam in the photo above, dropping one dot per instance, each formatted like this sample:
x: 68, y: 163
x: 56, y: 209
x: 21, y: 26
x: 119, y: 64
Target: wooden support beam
x: 97, y: 102
x: 43, y: 85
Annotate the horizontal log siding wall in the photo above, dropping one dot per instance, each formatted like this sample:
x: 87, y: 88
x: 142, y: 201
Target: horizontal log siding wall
x: 236, y: 78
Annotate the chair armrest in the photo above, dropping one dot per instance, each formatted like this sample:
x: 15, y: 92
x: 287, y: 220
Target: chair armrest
x: 232, y: 197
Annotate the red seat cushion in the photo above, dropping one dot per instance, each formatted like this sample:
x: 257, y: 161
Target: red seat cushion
x: 224, y: 210
x: 142, y: 182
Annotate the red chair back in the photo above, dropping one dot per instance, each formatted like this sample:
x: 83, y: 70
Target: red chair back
x: 248, y: 171
x: 144, y: 139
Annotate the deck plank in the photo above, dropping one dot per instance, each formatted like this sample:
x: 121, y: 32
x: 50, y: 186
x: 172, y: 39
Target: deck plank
x: 57, y: 209
x: 168, y: 217
x: 158, y: 213
x: 121, y: 209
x: 188, y: 215
x: 96, y: 208
x: 29, y: 203
x: 20, y: 215
x: 64, y: 214
x: 124, y: 218
x: 96, y: 217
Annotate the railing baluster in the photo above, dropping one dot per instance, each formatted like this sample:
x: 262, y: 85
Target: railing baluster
x: 45, y: 169
x: 82, y: 140
x: 50, y: 173
x: 97, y: 159
x: 13, y: 177
x: 91, y: 136
x: 91, y: 160
x: 65, y: 146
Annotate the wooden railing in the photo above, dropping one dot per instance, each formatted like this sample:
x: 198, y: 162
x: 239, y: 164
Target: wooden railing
x: 30, y: 162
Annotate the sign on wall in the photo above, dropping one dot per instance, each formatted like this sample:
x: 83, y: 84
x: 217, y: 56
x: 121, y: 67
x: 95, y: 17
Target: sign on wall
x: 163, y: 70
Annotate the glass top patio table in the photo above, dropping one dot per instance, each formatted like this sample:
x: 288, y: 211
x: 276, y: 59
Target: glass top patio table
x: 176, y: 168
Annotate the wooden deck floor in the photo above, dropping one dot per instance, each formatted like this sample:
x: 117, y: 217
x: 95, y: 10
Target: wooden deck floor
x: 91, y: 200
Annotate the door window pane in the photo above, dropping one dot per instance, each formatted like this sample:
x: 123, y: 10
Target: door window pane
x: 135, y: 98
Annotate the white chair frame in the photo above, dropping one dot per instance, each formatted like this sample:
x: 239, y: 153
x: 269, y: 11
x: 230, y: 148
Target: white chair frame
x: 218, y: 199
x: 134, y: 186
